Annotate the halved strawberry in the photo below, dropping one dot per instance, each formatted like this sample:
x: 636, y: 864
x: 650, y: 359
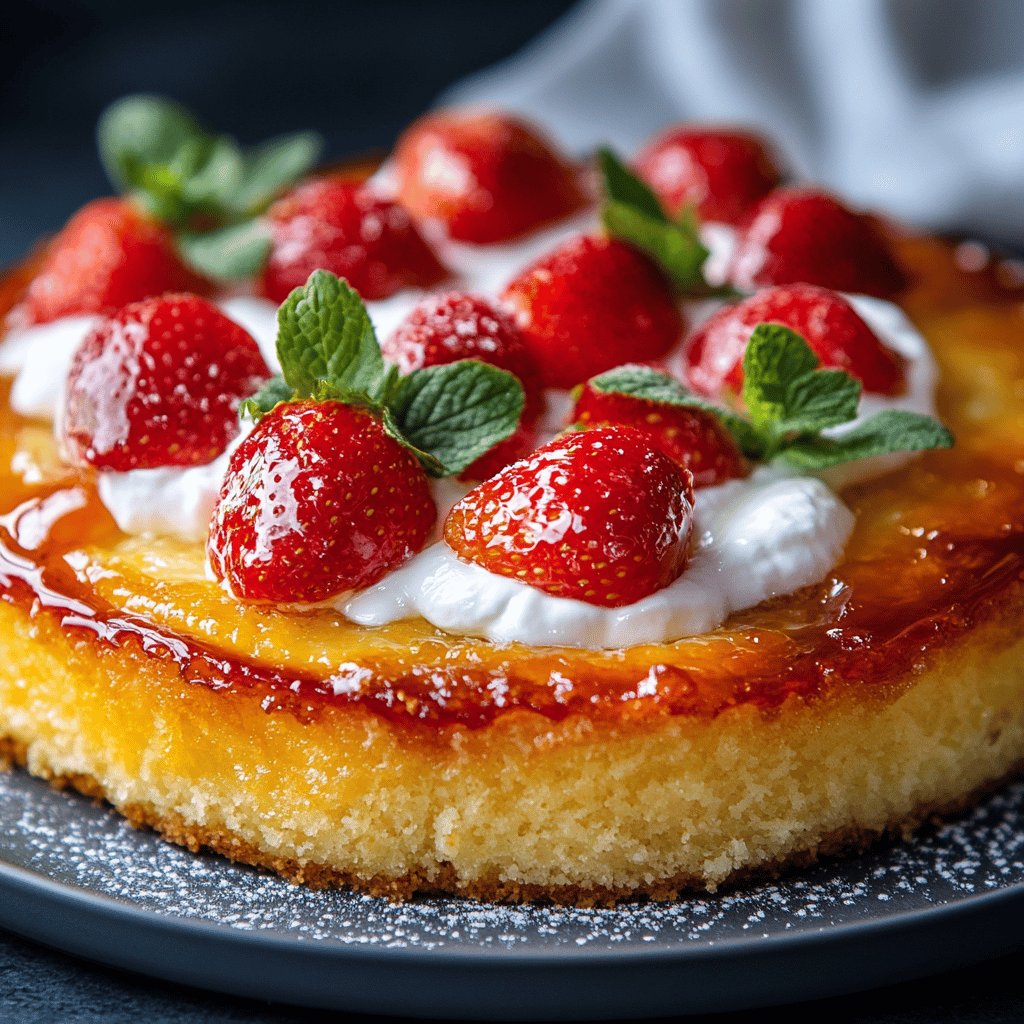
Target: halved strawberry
x: 590, y: 305
x: 830, y: 325
x: 159, y: 383
x: 456, y: 325
x: 317, y: 500
x: 720, y: 171
x: 600, y: 516
x: 346, y: 228
x: 692, y: 437
x: 487, y: 177
x: 107, y: 255
x: 806, y: 235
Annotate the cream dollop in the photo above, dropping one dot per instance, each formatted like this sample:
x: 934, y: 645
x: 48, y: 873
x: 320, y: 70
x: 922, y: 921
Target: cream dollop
x: 754, y: 539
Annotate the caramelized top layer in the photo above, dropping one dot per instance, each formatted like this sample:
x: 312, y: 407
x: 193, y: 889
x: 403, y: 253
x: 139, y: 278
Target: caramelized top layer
x: 938, y: 548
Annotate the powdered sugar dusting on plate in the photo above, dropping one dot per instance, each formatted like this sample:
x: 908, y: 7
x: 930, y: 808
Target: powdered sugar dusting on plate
x: 71, y: 841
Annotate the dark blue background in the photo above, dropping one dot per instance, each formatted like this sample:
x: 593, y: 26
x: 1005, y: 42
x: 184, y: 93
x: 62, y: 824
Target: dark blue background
x: 358, y: 73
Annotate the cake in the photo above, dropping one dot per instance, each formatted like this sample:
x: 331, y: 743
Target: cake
x: 600, y: 535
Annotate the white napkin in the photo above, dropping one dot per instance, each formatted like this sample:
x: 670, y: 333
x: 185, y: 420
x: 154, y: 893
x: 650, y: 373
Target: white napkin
x: 911, y: 106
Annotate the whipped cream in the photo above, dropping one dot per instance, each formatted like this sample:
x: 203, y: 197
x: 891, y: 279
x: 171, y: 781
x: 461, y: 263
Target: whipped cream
x: 754, y: 539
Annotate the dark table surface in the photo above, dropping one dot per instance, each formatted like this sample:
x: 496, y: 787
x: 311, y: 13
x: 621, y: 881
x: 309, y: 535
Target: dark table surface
x: 363, y: 73
x: 39, y: 986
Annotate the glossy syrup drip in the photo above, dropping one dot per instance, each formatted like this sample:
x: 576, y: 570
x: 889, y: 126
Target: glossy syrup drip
x: 938, y: 551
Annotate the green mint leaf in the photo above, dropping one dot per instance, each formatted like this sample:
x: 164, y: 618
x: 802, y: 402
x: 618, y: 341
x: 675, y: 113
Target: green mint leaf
x: 894, y: 430
x: 325, y: 334
x: 273, y: 166
x: 430, y: 462
x: 273, y: 392
x: 817, y: 400
x: 456, y: 412
x: 140, y: 131
x: 775, y: 357
x: 633, y: 214
x: 226, y: 254
x: 621, y: 185
x: 650, y: 385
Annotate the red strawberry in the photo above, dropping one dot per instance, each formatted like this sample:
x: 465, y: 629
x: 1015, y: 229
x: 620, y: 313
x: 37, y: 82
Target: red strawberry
x: 487, y: 177
x: 344, y: 227
x: 693, y: 438
x: 446, y: 328
x: 107, y: 255
x: 317, y: 500
x: 721, y: 171
x: 829, y: 324
x: 600, y: 516
x: 592, y: 304
x: 159, y: 384
x: 803, y: 235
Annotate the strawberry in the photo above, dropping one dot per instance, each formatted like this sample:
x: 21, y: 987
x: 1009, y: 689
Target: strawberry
x: 345, y: 228
x: 445, y: 328
x: 487, y: 177
x: 690, y: 436
x: 590, y: 305
x: 600, y: 516
x: 107, y: 255
x: 804, y: 235
x: 317, y: 500
x: 158, y: 383
x: 720, y: 171
x: 829, y: 324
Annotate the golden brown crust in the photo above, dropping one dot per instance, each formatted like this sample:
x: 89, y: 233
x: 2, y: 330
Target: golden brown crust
x: 840, y: 843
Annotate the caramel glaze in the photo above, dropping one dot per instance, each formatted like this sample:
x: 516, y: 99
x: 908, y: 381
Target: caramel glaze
x: 938, y: 550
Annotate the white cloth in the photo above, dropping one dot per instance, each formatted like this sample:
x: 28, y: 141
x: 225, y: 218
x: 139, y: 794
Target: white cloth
x: 915, y: 107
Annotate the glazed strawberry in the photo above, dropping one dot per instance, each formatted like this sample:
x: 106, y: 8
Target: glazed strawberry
x: 829, y: 324
x: 720, y: 171
x: 590, y: 305
x: 692, y: 437
x: 317, y: 500
x: 159, y: 384
x: 487, y: 177
x: 601, y: 516
x: 804, y: 235
x: 345, y: 228
x: 107, y: 255
x: 454, y: 326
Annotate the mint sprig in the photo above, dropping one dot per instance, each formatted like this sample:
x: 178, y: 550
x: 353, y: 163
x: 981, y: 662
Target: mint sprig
x: 633, y: 213
x: 204, y: 186
x: 790, y: 403
x: 448, y: 415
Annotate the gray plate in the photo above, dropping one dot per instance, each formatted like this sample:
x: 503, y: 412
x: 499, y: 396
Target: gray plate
x: 75, y: 876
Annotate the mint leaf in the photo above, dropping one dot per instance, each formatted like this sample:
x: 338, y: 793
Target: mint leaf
x: 775, y: 357
x: 273, y: 166
x: 622, y: 186
x: 633, y: 214
x: 456, y: 412
x: 894, y: 430
x: 817, y: 400
x: 140, y: 131
x: 650, y: 385
x: 226, y: 254
x: 273, y: 392
x: 325, y: 335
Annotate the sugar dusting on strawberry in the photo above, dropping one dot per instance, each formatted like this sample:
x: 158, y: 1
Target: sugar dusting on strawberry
x: 600, y: 516
x: 721, y: 172
x: 317, y: 500
x: 349, y: 230
x: 692, y: 437
x: 590, y: 305
x: 107, y: 255
x: 805, y: 235
x: 487, y: 177
x: 159, y: 383
x: 829, y: 324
